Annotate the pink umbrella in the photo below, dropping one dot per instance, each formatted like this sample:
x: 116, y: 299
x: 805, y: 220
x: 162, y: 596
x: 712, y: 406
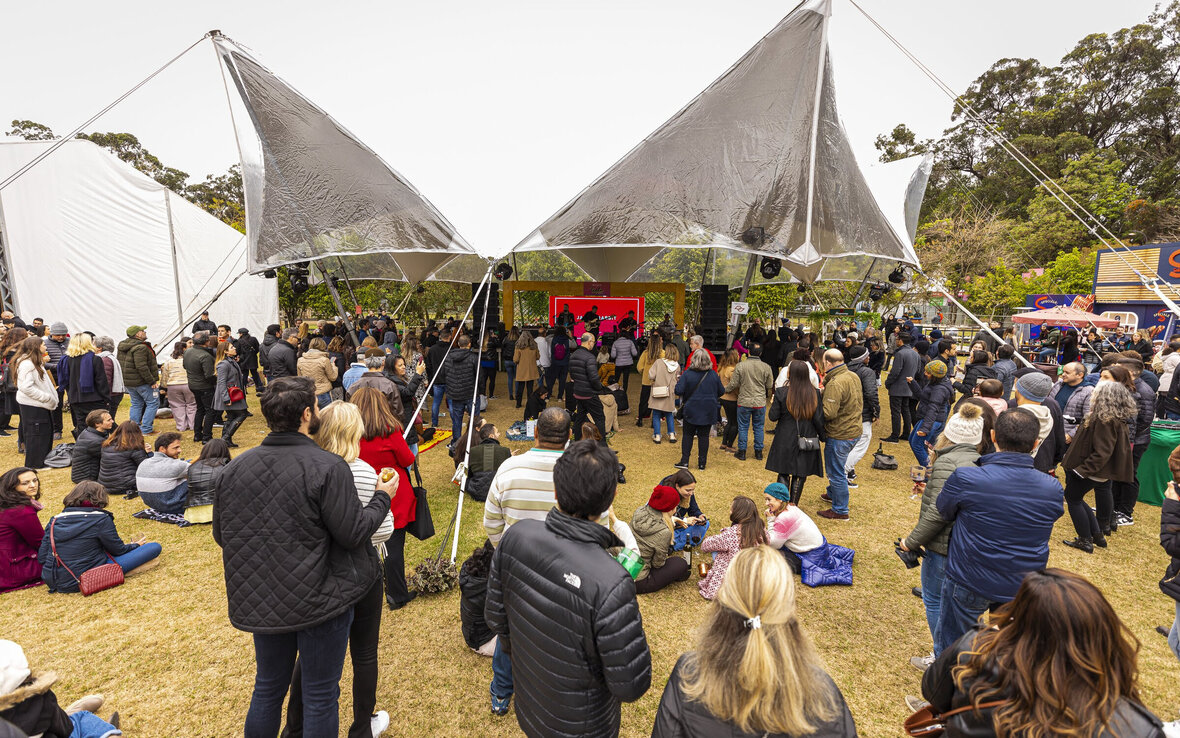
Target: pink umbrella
x: 1065, y: 316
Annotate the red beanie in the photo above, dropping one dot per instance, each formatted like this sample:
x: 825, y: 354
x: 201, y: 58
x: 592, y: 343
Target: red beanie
x: 664, y: 498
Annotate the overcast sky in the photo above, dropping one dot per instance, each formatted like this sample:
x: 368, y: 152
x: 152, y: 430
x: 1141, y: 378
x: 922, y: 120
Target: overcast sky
x: 500, y: 112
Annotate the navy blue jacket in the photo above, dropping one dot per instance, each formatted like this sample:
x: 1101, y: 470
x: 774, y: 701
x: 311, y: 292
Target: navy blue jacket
x: 935, y: 405
x: 703, y: 403
x: 84, y: 537
x: 1003, y: 511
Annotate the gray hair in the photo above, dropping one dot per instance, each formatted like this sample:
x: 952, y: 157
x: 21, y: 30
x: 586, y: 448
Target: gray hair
x: 1111, y: 402
x: 700, y: 360
x: 375, y: 362
x: 287, y: 333
x: 200, y: 338
x: 105, y: 343
x: 697, y: 341
x: 586, y: 337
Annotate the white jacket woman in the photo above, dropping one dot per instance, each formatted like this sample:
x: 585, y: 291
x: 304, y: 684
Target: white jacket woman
x: 35, y: 389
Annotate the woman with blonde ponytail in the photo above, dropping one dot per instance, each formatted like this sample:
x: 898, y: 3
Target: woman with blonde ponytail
x: 754, y: 671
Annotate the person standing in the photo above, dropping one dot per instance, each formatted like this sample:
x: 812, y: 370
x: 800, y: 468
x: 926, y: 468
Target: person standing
x: 174, y: 380
x: 934, y: 400
x: 106, y: 352
x: 85, y: 378
x: 319, y: 367
x: 569, y: 611
x: 1126, y: 492
x: 754, y: 383
x: 247, y: 346
x: 798, y: 411
x: 36, y: 397
x: 269, y: 338
x: 280, y: 359
x: 653, y: 353
x: 229, y: 378
x: 1003, y: 510
x: 700, y: 391
x: 1005, y: 368
x: 436, y: 371
x: 664, y: 374
x: 200, y: 368
x: 1170, y: 540
x: 586, y: 385
x: 843, y: 402
x: 204, y: 324
x: 524, y: 359
x: 141, y: 377
x: 55, y: 347
x: 461, y: 370
x: 559, y: 368
x: 288, y: 520
x: 871, y: 409
x: 507, y: 352
x: 1072, y: 395
x: 725, y: 368
x: 623, y: 353
x: 523, y: 489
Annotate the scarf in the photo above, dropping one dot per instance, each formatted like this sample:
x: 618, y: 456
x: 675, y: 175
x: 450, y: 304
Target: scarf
x: 86, y: 373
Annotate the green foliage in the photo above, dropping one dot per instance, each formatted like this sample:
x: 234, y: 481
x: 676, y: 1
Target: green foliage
x: 31, y: 131
x: 128, y: 148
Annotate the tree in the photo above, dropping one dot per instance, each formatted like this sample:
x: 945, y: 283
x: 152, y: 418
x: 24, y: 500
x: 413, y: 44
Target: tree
x: 128, y: 148
x: 222, y: 196
x: 30, y: 131
x: 901, y: 143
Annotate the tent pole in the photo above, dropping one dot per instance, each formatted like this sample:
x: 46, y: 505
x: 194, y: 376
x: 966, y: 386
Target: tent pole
x: 863, y: 282
x: 339, y: 306
x: 942, y: 288
x: 175, y: 266
x: 347, y: 283
x: 819, y: 87
x: 745, y: 289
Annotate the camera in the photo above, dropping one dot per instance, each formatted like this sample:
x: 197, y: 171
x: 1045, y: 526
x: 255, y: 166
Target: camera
x: 910, y: 558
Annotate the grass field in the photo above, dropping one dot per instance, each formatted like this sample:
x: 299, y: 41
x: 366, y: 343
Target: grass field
x: 163, y: 652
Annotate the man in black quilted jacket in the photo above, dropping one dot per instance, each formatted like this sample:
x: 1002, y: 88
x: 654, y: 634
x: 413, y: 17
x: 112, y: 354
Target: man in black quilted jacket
x: 295, y: 544
x: 585, y: 383
x: 565, y: 610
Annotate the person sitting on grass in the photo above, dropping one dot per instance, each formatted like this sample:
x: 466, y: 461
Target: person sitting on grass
x: 754, y: 670
x: 473, y: 593
x: 28, y: 705
x: 83, y: 536
x: 748, y: 530
x: 86, y: 456
x: 609, y: 519
x: 788, y: 528
x: 162, y: 478
x: 484, y: 460
x: 122, y: 453
x: 20, y: 529
x: 653, y: 524
x: 537, y: 401
x: 202, y: 477
x: 688, y: 512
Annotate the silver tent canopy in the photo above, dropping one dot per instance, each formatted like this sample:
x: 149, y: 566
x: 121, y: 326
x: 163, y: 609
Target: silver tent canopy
x: 314, y: 191
x: 761, y: 147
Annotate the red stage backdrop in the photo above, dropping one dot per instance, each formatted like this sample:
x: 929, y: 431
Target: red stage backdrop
x: 610, y: 310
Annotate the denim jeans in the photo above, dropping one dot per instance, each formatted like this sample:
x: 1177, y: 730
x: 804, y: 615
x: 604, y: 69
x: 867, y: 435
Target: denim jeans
x: 744, y: 417
x: 1174, y: 634
x: 321, y: 652
x: 439, y: 391
x: 145, y: 401
x: 501, y: 672
x: 1046, y: 354
x: 322, y: 401
x: 139, y: 556
x: 933, y: 573
x: 171, y: 502
x: 457, y: 409
x: 835, y: 458
x: 1172, y: 416
x: 510, y: 370
x: 958, y: 610
x: 918, y: 443
x: 669, y: 419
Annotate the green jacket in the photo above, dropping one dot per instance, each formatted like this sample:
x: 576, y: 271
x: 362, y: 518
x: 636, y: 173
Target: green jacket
x: 138, y: 362
x: 932, y: 532
x: 653, y: 536
x: 754, y: 382
x: 843, y: 404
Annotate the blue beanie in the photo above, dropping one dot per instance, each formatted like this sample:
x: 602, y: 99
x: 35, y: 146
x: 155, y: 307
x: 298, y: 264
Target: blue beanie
x: 778, y: 490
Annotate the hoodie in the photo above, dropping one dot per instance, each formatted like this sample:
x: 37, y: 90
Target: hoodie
x: 1044, y: 417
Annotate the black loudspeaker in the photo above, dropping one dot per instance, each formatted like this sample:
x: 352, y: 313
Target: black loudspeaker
x: 714, y: 316
x: 492, y: 293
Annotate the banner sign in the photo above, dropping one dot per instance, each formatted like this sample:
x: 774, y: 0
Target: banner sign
x: 610, y: 311
x: 596, y: 289
x: 739, y: 308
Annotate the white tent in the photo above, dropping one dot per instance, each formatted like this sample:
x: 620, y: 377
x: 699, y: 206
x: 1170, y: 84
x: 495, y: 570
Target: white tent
x: 94, y: 243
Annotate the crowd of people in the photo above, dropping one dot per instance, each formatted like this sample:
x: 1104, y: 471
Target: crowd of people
x: 312, y: 522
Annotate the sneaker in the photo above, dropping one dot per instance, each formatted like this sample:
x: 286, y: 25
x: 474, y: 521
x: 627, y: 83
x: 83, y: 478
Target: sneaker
x: 916, y: 592
x: 89, y: 703
x: 922, y: 663
x: 681, y: 465
x: 832, y: 515
x: 852, y: 484
x: 379, y: 723
x: 500, y: 706
x: 850, y: 474
x: 1124, y: 519
x: 891, y: 439
x: 915, y: 703
x: 655, y: 439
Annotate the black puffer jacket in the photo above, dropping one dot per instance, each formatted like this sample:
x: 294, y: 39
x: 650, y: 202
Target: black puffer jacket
x: 473, y: 593
x: 408, y: 391
x: 460, y: 372
x: 584, y: 373
x: 86, y: 457
x: 202, y: 483
x: 972, y: 376
x: 871, y: 407
x: 679, y: 717
x: 117, y: 472
x: 1170, y: 540
x: 281, y: 361
x: 938, y: 687
x: 294, y: 536
x: 567, y: 613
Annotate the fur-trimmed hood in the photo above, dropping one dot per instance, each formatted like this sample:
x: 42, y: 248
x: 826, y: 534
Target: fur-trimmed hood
x: 38, y: 683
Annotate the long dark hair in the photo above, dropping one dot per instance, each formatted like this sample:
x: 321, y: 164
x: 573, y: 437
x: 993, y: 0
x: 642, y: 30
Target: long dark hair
x: 31, y: 348
x: 11, y: 339
x: 1060, y: 656
x: 10, y: 496
x: 801, y: 396
x: 214, y: 453
x: 126, y: 437
x: 744, y: 513
x: 179, y: 348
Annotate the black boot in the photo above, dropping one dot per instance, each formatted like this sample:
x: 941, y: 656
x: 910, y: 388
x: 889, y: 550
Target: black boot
x: 1081, y: 544
x: 622, y: 468
x: 227, y: 432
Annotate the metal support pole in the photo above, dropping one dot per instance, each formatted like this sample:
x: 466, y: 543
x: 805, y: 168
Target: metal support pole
x: 735, y: 322
x: 863, y: 282
x: 340, y: 306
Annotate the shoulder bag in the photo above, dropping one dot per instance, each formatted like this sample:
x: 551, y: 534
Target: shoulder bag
x: 422, y: 526
x: 930, y: 724
x: 95, y: 580
x: 680, y: 410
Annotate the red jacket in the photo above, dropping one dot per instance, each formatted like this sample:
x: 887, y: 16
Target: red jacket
x: 392, y: 451
x: 20, y: 538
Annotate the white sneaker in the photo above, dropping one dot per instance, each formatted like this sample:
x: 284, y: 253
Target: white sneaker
x: 379, y: 722
x: 1172, y: 729
x: 922, y: 663
x: 915, y: 703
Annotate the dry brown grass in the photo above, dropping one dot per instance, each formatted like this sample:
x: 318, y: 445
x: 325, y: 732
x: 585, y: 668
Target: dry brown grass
x: 162, y: 649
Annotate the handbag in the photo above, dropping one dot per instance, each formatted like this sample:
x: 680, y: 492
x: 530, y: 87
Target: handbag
x: 929, y: 724
x: 422, y: 526
x: 659, y: 391
x: 808, y: 444
x: 680, y: 410
x: 236, y: 394
x: 882, y: 460
x: 95, y: 580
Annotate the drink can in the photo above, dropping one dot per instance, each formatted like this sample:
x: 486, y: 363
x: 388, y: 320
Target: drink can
x: 630, y: 561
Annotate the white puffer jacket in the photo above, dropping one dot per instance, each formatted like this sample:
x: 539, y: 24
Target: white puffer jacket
x: 1170, y: 362
x: 34, y: 390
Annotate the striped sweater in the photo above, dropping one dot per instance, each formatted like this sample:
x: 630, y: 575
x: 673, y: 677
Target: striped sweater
x: 521, y: 490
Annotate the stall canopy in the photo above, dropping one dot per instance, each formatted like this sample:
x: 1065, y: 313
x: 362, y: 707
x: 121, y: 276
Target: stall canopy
x: 94, y: 243
x: 762, y: 147
x: 316, y: 192
x: 1062, y: 315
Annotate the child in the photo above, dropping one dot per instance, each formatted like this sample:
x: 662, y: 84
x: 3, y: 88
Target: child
x: 473, y: 592
x: 788, y: 528
x: 992, y: 392
x: 747, y: 531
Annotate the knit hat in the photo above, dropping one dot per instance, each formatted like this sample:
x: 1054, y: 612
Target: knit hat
x: 936, y: 369
x: 965, y: 426
x: 857, y: 353
x: 664, y: 498
x: 779, y: 491
x: 131, y: 330
x: 1034, y: 387
x: 58, y: 329
x: 14, y: 667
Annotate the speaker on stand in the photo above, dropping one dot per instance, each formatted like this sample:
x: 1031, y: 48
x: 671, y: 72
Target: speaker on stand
x: 713, y: 322
x: 492, y: 293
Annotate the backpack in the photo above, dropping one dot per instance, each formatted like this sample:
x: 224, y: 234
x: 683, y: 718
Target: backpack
x: 61, y: 456
x: 559, y: 351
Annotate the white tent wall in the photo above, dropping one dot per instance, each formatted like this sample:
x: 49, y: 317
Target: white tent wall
x: 90, y: 240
